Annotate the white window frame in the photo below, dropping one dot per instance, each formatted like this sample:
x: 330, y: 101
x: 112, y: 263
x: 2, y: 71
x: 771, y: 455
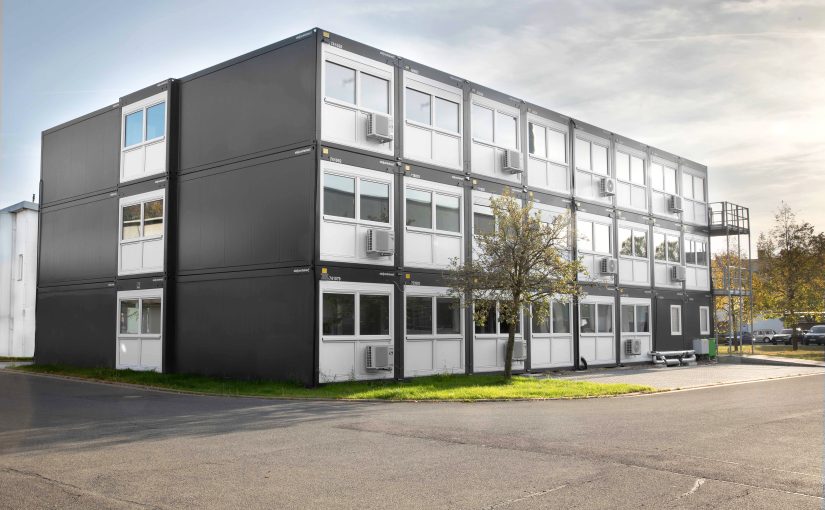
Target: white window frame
x: 481, y: 204
x: 665, y: 164
x: 631, y: 153
x: 434, y: 188
x: 704, y: 312
x: 442, y: 91
x: 359, y: 174
x: 550, y: 315
x: 597, y: 301
x: 592, y: 140
x: 496, y: 107
x: 19, y: 267
x: 141, y: 199
x: 693, y: 240
x: 633, y: 228
x: 593, y: 220
x: 143, y: 105
x: 673, y: 330
x: 433, y: 293
x: 635, y: 304
x: 669, y: 234
x: 549, y: 213
x: 356, y: 289
x: 138, y: 295
x: 361, y: 65
x: 519, y: 333
x: 548, y: 126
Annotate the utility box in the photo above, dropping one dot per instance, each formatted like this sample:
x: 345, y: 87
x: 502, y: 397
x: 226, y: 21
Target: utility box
x: 701, y: 346
x: 712, y: 347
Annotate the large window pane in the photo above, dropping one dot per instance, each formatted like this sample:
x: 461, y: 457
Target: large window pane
x: 605, y: 318
x: 556, y: 145
x: 640, y: 243
x: 504, y: 326
x: 506, y: 129
x: 134, y: 129
x: 153, y: 218
x: 339, y: 196
x: 489, y: 326
x: 625, y: 242
x: 483, y: 223
x: 419, y: 208
x: 448, y: 316
x: 660, y: 247
x: 699, y: 188
x: 418, y: 106
x: 374, y: 315
x: 129, y: 316
x: 482, y: 123
x: 585, y: 235
x: 637, y: 170
x: 657, y: 176
x: 538, y: 141
x: 675, y: 320
x: 670, y: 180
x: 673, y: 250
x: 447, y: 213
x: 582, y: 154
x: 151, y: 317
x: 155, y: 121
x: 375, y: 93
x: 375, y: 201
x: 622, y: 166
x: 704, y: 320
x: 587, y: 318
x: 542, y: 326
x: 419, y: 315
x: 131, y: 222
x: 690, y: 255
x: 601, y: 238
x: 561, y: 317
x: 628, y: 318
x: 446, y: 115
x: 643, y: 319
x: 599, y: 159
x: 339, y: 82
x: 702, y: 254
x: 687, y: 186
x: 339, y: 314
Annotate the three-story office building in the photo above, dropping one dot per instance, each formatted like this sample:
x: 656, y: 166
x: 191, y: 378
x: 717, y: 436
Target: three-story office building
x: 290, y: 213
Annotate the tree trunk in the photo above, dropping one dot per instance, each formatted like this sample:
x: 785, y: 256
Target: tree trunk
x: 508, y: 351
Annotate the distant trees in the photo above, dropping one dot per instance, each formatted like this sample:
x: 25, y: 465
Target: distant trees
x: 790, y: 281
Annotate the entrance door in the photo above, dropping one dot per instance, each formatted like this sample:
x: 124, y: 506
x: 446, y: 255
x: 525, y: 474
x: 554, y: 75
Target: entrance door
x: 669, y: 326
x: 139, y: 330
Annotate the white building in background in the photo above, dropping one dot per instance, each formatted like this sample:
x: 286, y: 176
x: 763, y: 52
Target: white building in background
x: 18, y: 278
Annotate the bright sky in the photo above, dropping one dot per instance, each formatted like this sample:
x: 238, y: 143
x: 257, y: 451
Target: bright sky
x: 738, y: 86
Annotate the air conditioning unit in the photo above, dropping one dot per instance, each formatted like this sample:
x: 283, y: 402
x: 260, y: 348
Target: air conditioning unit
x: 674, y: 204
x: 519, y: 350
x: 609, y: 266
x: 379, y: 357
x: 512, y: 162
x: 380, y: 242
x: 380, y: 127
x: 677, y: 273
x: 607, y: 187
x: 632, y: 347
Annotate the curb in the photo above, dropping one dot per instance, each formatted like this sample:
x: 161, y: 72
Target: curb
x: 758, y: 360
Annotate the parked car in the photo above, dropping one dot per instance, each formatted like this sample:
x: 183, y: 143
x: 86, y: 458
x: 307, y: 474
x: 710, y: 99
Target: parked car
x: 784, y: 336
x: 816, y: 335
x: 764, y: 335
x: 745, y: 336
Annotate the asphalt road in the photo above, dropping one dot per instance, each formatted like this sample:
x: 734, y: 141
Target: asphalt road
x: 73, y: 445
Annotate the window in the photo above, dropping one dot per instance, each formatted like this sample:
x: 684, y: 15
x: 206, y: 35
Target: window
x: 595, y: 318
x: 605, y: 318
x: 446, y: 115
x: 421, y: 209
x: 129, y: 316
x: 675, y: 320
x: 136, y: 131
x: 483, y: 223
x: 489, y: 326
x: 493, y: 126
x: 19, y: 267
x: 630, y: 168
x: 635, y: 319
x: 693, y: 187
x: 140, y: 316
x: 632, y: 242
x: 419, y: 315
x: 594, y: 237
x: 374, y: 317
x: 142, y: 220
x: 425, y: 311
x: 591, y: 157
x: 150, y: 316
x: 587, y: 318
x: 339, y: 314
x: 704, y: 320
x: 339, y: 82
x: 432, y: 110
x: 538, y: 141
x: 547, y: 143
x: 667, y: 247
x: 557, y: 322
x: 372, y: 203
x: 663, y: 178
x: 448, y: 316
x: 418, y: 106
x: 375, y: 93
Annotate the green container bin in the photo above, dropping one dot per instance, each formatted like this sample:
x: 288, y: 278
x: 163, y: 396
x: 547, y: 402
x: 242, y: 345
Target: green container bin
x: 712, y: 347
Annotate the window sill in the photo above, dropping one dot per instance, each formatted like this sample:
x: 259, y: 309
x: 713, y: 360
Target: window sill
x: 354, y: 107
x: 495, y: 145
x: 432, y: 128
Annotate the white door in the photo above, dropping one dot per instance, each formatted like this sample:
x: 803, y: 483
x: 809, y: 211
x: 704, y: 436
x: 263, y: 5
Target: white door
x: 139, y: 330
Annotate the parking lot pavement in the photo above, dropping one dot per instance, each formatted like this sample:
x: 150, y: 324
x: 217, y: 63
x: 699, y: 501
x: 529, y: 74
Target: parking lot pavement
x: 671, y: 378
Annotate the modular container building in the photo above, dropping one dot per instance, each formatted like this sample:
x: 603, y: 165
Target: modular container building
x: 290, y: 213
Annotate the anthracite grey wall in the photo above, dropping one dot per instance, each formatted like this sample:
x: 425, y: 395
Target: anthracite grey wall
x: 257, y: 213
x: 259, y: 104
x: 78, y: 242
x: 80, y: 329
x: 662, y: 339
x: 251, y: 324
x: 81, y: 158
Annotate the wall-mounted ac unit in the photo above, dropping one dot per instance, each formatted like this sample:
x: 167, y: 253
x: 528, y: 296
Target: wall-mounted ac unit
x: 380, y: 242
x: 632, y: 347
x: 380, y: 127
x: 607, y: 187
x: 674, y: 204
x: 379, y: 357
x: 512, y: 162
x: 519, y: 350
x: 678, y: 274
x: 609, y: 266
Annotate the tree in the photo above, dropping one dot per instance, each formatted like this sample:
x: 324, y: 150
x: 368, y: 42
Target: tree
x: 790, y: 280
x: 729, y: 271
x: 519, y: 264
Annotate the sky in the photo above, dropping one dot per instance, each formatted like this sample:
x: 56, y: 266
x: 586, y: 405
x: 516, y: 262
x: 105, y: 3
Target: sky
x: 736, y: 85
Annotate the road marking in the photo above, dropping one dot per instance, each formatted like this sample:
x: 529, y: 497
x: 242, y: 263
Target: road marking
x: 699, y: 483
x: 528, y: 496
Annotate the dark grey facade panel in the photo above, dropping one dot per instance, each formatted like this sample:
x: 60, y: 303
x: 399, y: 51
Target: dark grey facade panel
x: 547, y: 114
x: 81, y: 158
x: 353, y: 157
x: 431, y: 73
x: 633, y: 216
x: 591, y: 129
x: 250, y: 107
x: 249, y: 325
x: 79, y: 241
x: 415, y: 171
x: 259, y: 213
x: 76, y: 326
x: 145, y: 92
x: 352, y: 273
x: 548, y: 198
x: 358, y: 48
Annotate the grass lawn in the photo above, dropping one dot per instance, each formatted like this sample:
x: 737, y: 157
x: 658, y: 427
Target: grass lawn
x: 442, y: 387
x: 810, y: 352
x: 10, y: 358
